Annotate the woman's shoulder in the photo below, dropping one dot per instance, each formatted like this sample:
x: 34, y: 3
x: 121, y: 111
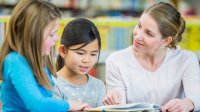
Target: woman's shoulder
x: 182, y: 54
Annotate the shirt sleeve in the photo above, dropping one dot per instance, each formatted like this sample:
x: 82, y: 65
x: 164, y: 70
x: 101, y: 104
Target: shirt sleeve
x: 22, y: 78
x: 114, y: 80
x: 191, y: 80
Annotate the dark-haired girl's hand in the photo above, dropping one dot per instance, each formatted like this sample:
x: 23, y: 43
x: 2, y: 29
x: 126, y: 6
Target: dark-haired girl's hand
x: 76, y: 105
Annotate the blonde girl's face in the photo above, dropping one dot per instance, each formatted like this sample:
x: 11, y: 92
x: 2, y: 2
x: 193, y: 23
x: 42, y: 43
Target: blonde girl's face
x: 147, y: 37
x: 82, y: 60
x: 50, y: 36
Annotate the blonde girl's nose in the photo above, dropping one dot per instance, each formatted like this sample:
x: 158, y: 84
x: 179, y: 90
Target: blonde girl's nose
x: 56, y: 38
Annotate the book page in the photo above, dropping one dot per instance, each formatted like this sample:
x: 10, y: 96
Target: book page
x: 128, y: 108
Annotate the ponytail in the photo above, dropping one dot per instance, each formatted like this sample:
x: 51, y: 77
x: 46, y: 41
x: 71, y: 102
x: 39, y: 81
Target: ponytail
x: 178, y: 37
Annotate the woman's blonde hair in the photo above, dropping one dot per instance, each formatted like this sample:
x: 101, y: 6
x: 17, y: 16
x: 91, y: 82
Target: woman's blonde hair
x: 25, y: 36
x: 169, y: 21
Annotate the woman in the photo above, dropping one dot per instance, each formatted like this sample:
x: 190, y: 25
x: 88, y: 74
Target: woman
x: 154, y: 69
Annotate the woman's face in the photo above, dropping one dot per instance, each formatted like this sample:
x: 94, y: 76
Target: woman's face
x: 50, y: 36
x: 146, y: 35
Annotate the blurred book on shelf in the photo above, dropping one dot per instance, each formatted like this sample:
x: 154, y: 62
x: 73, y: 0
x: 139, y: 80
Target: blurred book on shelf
x: 116, y: 33
x: 88, y: 8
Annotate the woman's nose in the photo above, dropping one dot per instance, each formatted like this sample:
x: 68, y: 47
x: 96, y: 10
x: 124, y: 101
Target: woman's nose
x: 139, y: 35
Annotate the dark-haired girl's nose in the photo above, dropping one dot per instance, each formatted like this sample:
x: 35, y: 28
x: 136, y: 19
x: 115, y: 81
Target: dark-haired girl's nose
x: 86, y: 59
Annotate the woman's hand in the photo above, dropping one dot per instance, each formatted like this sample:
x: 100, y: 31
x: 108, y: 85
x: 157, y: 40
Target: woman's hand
x: 75, y: 105
x: 178, y: 105
x: 112, y: 98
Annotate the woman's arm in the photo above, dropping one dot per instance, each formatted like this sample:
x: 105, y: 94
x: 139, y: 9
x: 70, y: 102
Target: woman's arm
x: 114, y: 84
x: 191, y: 84
x: 191, y: 80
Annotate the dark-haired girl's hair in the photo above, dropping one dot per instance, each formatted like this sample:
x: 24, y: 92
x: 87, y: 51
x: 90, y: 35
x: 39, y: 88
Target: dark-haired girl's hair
x: 78, y: 31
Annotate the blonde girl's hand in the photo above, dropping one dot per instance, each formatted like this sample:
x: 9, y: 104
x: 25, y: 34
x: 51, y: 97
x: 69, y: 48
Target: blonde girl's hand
x: 76, y: 105
x: 178, y: 105
x: 113, y: 97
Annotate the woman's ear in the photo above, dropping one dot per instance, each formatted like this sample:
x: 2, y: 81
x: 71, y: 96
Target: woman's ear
x: 62, y: 51
x: 167, y: 41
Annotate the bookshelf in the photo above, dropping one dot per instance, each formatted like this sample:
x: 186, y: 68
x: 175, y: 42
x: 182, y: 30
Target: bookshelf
x: 87, y: 8
x: 116, y: 33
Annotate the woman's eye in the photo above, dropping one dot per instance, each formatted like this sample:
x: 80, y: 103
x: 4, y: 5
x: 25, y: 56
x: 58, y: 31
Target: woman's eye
x: 139, y: 25
x: 149, y: 34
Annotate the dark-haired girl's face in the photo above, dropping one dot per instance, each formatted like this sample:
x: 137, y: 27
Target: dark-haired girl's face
x: 82, y: 60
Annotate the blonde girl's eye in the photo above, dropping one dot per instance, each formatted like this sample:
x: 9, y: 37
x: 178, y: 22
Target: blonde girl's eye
x: 52, y: 35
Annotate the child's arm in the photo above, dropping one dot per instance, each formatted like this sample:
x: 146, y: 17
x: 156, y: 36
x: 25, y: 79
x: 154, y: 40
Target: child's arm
x: 29, y: 90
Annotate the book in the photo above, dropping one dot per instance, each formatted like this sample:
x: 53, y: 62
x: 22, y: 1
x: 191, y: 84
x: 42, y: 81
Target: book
x: 132, y: 107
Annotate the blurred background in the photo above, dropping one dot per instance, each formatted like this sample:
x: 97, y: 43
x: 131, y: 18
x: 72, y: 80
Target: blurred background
x: 115, y: 20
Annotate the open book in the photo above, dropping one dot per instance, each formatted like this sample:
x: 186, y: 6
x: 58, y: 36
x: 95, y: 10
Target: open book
x: 132, y: 107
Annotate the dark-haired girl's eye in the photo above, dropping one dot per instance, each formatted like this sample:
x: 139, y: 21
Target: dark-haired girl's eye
x: 80, y: 53
x: 94, y: 54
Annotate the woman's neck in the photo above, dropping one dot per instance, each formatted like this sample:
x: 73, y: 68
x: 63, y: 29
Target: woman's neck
x: 151, y: 60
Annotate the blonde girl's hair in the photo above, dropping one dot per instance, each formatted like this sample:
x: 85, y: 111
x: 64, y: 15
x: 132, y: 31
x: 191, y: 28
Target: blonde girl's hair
x: 25, y: 36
